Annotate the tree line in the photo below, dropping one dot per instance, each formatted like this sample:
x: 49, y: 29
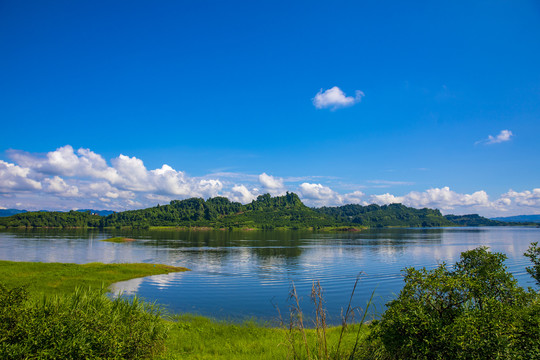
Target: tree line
x: 265, y: 212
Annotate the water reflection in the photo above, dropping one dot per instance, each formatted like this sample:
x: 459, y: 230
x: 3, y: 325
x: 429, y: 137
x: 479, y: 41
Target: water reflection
x: 241, y: 274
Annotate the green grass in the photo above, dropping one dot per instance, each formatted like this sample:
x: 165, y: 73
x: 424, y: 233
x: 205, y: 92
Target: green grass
x: 59, y: 278
x: 58, y: 287
x: 118, y: 240
x: 197, y: 338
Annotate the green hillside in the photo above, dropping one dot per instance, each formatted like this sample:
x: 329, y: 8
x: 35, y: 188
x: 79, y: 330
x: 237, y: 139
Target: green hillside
x: 265, y: 212
x: 477, y: 220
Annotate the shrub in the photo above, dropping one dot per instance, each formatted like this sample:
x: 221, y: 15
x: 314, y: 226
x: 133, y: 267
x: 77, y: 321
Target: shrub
x: 474, y: 310
x: 533, y: 253
x: 85, y: 324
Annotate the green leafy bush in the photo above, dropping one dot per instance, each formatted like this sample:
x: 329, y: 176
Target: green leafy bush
x: 82, y: 325
x: 533, y: 253
x: 473, y: 310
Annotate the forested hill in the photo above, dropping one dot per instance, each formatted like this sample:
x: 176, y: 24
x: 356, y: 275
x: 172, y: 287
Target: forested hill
x: 265, y: 212
x: 387, y: 215
x: 477, y: 220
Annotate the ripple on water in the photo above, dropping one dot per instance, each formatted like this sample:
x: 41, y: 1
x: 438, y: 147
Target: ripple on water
x: 239, y: 275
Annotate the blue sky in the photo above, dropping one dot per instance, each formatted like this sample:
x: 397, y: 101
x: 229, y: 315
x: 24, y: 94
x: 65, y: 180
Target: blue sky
x: 377, y: 101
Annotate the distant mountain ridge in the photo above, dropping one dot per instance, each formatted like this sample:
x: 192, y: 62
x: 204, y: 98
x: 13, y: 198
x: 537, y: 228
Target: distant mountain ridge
x: 9, y: 212
x: 519, y: 218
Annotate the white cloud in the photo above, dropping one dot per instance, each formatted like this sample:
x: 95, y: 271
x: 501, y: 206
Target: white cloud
x: 64, y: 162
x: 385, y: 199
x: 57, y: 185
x: 316, y: 191
x: 16, y: 178
x: 523, y: 199
x: 504, y: 135
x: 320, y: 195
x: 440, y: 198
x: 103, y: 189
x: 241, y: 194
x: 335, y: 98
x: 64, y: 179
x: 353, y: 198
x: 272, y: 185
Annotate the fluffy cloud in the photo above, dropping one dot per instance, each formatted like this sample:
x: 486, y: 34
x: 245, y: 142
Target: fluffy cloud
x: 242, y: 194
x: 335, y: 98
x: 316, y: 191
x: 522, y: 199
x: 503, y: 136
x: 65, y: 162
x: 272, y: 185
x: 65, y: 178
x: 16, y: 178
x: 58, y: 186
x: 270, y: 182
x: 440, y: 198
x: 320, y: 195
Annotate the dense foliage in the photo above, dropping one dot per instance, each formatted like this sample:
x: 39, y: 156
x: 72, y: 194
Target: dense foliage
x: 82, y: 325
x: 70, y: 219
x: 473, y: 310
x: 477, y: 220
x: 386, y: 215
x: 265, y: 212
x: 533, y: 253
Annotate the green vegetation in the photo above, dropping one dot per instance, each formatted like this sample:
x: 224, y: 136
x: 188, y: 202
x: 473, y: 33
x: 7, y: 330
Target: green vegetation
x: 471, y: 310
x: 59, y: 278
x: 533, y: 253
x: 386, y: 215
x: 198, y: 338
x: 52, y: 219
x: 477, y: 220
x: 80, y: 325
x: 118, y: 240
x: 264, y: 213
x: 474, y: 310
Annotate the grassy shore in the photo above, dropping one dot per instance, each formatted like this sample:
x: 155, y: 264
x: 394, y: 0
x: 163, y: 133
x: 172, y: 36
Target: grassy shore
x: 188, y: 336
x: 60, y: 278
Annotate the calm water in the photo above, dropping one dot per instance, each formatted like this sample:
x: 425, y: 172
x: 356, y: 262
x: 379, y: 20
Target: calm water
x: 241, y: 275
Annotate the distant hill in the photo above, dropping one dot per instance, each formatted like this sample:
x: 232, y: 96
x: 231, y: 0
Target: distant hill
x: 519, y: 218
x: 265, y: 212
x: 53, y: 219
x: 473, y: 220
x: 9, y: 212
x: 387, y: 215
x: 477, y: 220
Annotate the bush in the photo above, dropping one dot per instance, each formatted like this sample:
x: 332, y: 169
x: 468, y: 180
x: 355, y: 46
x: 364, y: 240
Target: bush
x: 82, y: 325
x: 533, y: 253
x: 474, y: 310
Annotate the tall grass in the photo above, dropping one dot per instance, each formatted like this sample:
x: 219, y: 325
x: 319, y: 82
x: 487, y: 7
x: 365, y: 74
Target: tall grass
x: 324, y: 342
x: 83, y: 325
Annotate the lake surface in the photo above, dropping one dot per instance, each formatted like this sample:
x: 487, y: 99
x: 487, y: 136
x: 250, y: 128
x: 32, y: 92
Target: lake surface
x: 239, y: 275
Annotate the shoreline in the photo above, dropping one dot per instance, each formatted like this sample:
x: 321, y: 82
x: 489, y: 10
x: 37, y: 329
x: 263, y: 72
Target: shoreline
x: 57, y: 278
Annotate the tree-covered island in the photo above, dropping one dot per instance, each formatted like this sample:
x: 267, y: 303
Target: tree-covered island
x: 264, y: 213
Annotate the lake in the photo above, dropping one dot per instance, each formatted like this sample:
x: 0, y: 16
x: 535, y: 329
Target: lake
x: 239, y: 275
